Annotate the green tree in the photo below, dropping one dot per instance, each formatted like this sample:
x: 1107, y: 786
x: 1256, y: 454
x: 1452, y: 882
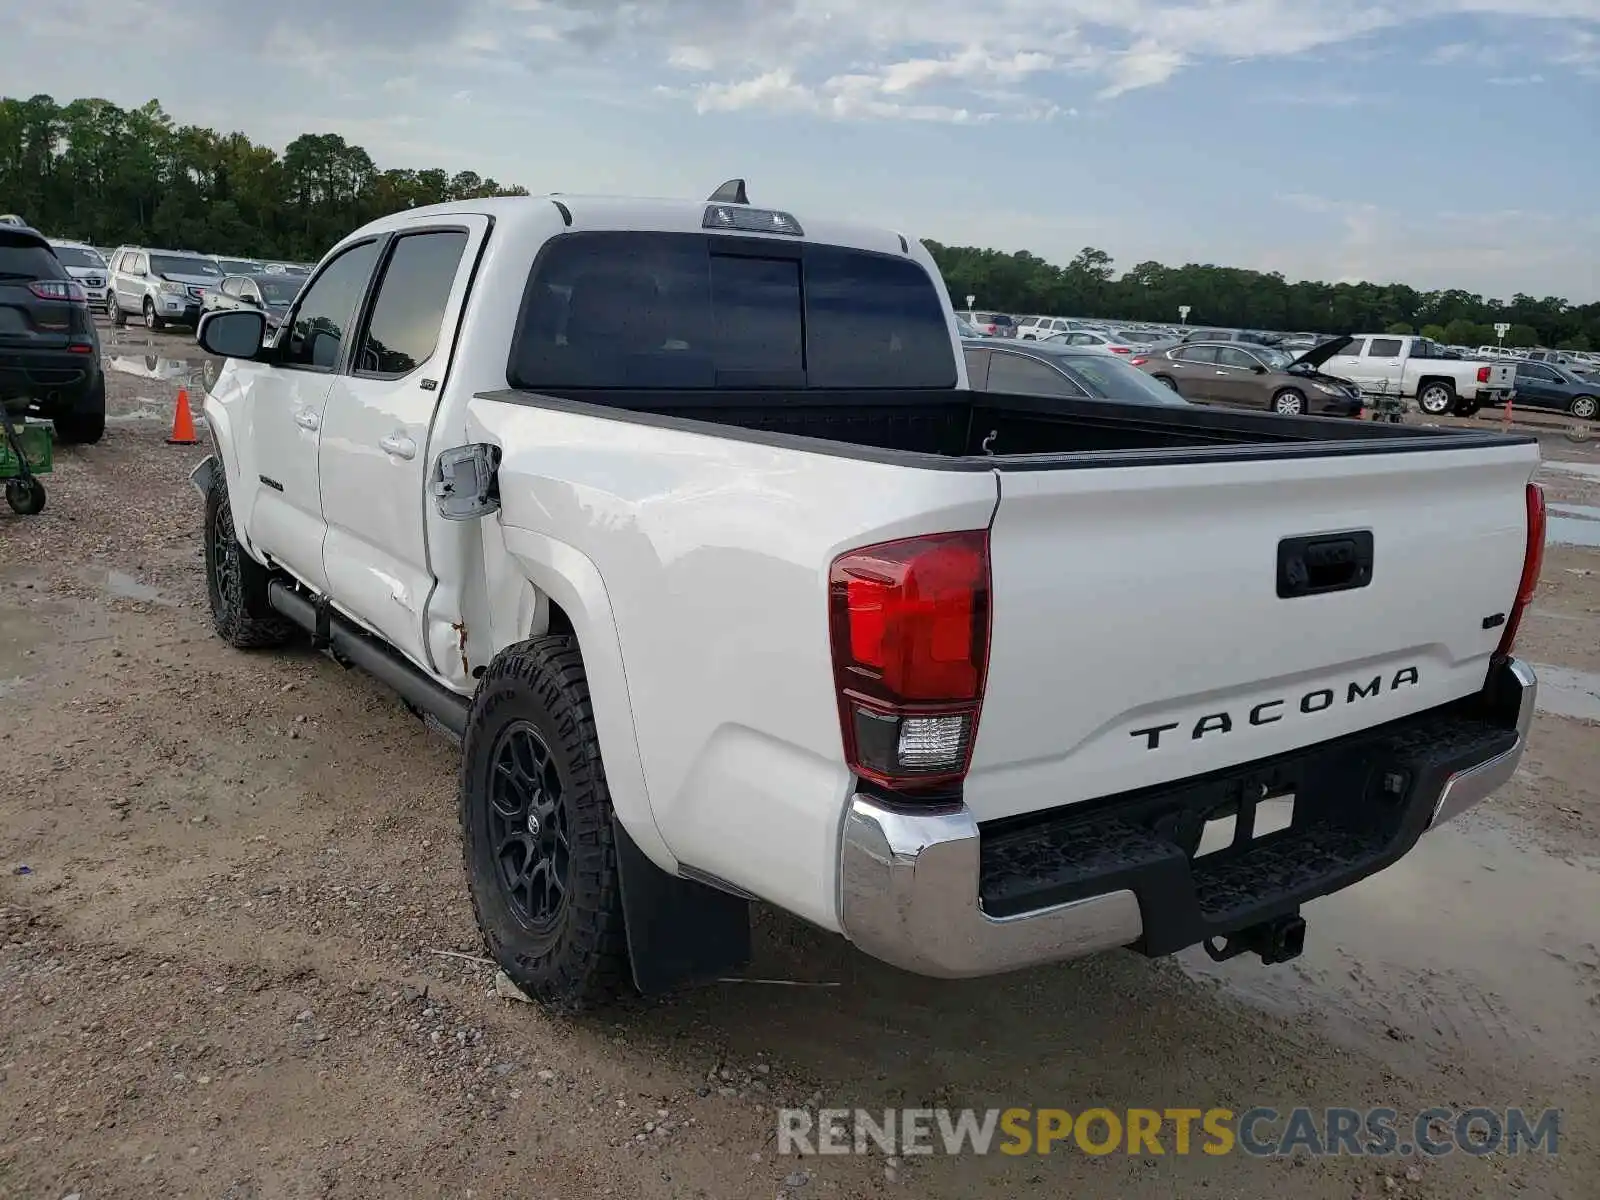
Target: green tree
x: 1399, y: 328
x: 1521, y: 336
x: 1435, y: 333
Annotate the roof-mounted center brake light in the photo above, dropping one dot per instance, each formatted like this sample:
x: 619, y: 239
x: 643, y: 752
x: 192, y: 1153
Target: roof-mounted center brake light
x: 750, y: 220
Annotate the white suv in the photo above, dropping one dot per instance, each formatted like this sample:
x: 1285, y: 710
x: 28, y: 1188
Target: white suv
x: 84, y: 263
x: 162, y: 286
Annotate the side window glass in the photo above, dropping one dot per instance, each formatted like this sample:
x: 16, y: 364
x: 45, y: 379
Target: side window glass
x: 326, y: 309
x: 1227, y: 356
x: 1200, y: 354
x: 230, y: 287
x: 1353, y: 350
x: 409, y: 310
x: 1018, y: 375
x: 977, y: 369
x: 1384, y: 348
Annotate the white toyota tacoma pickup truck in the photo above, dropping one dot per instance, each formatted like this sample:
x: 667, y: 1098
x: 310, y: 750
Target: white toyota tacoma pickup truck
x: 681, y: 517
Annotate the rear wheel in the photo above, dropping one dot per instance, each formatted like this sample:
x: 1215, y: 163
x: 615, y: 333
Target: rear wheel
x: 152, y: 319
x: 1289, y: 403
x: 1583, y: 407
x: 1436, y: 399
x: 1167, y: 381
x: 85, y: 424
x: 119, y: 319
x: 536, y: 828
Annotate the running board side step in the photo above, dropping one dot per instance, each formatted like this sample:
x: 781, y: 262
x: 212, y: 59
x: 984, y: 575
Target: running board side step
x: 349, y: 644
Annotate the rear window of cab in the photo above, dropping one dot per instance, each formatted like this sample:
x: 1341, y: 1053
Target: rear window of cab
x: 694, y: 311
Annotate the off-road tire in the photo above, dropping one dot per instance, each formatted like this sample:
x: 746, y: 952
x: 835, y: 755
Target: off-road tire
x: 1583, y: 407
x: 1436, y: 399
x: 582, y: 961
x: 236, y: 584
x: 152, y: 319
x: 1289, y: 402
x: 86, y: 424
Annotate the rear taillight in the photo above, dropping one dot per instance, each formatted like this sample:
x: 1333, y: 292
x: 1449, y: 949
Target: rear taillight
x: 1532, y: 563
x: 1138, y: 360
x: 59, y: 289
x: 1483, y: 374
x: 910, y: 629
x: 1120, y: 350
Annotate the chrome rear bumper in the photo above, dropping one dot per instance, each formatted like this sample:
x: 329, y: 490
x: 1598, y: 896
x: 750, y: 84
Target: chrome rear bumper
x: 910, y: 878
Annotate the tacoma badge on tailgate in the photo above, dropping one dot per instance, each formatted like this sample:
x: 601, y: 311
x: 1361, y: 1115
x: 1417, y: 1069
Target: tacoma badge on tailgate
x: 1269, y: 712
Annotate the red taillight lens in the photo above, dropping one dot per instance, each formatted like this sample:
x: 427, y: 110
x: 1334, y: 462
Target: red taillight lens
x: 910, y: 629
x: 59, y: 289
x: 1483, y: 374
x: 1532, y: 564
x: 1120, y: 350
x: 1138, y: 361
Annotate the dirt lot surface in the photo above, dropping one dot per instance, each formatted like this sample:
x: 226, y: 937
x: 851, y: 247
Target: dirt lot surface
x: 236, y: 958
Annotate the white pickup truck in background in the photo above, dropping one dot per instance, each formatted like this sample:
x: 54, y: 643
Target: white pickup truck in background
x: 682, y: 518
x: 1415, y: 368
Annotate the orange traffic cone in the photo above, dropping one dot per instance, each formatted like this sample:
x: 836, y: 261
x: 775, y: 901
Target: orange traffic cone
x: 182, y: 423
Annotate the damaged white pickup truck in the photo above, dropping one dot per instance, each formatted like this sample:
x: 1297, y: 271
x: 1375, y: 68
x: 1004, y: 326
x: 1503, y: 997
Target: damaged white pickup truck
x: 680, y: 515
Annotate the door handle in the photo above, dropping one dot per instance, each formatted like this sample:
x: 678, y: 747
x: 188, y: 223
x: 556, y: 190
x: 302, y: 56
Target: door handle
x: 307, y: 418
x: 398, y: 445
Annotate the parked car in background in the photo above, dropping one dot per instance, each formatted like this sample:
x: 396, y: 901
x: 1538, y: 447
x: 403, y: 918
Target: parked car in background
x: 965, y: 330
x: 1089, y: 337
x: 1549, y: 386
x: 239, y: 266
x: 1052, y: 368
x: 85, y: 264
x: 161, y: 286
x: 1035, y: 328
x: 269, y: 294
x: 1414, y: 368
x: 990, y: 324
x: 1252, y: 376
x: 13, y: 220
x: 49, y: 350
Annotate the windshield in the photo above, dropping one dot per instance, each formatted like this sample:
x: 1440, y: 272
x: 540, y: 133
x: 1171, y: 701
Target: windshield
x: 1112, y: 379
x: 79, y: 256
x: 238, y: 266
x: 280, y: 290
x: 174, y: 264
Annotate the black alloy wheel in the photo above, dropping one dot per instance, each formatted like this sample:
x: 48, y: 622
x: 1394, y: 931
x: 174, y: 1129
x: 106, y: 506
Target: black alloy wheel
x: 528, y: 828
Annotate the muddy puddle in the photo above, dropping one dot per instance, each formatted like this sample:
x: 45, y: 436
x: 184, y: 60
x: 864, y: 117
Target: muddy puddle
x: 1573, y: 525
x: 1477, y: 942
x: 125, y: 587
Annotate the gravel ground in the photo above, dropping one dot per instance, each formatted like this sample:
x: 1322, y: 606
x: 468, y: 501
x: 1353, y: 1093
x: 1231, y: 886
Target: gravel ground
x: 236, y: 957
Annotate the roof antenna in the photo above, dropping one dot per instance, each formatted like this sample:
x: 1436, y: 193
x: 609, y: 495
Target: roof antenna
x: 731, y: 192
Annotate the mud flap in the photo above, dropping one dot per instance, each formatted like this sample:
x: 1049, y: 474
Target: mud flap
x: 679, y: 931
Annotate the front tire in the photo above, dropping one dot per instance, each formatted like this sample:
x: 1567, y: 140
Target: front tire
x: 1583, y: 407
x: 152, y: 319
x: 1289, y: 403
x: 119, y: 319
x: 536, y: 829
x: 1436, y: 399
x: 236, y: 584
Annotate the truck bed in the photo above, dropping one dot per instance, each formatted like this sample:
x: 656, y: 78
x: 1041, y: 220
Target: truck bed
x: 952, y: 428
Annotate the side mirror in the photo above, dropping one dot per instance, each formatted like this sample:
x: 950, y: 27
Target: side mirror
x: 232, y: 332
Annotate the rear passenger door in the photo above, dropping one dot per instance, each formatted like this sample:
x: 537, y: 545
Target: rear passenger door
x: 374, y: 455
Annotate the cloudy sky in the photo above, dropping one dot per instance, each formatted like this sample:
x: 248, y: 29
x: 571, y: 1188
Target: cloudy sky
x: 1445, y: 143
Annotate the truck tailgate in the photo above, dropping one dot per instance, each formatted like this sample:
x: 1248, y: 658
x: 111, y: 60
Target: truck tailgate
x: 1139, y: 636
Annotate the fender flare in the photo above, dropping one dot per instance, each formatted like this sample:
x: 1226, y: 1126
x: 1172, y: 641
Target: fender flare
x: 570, y: 578
x: 219, y: 427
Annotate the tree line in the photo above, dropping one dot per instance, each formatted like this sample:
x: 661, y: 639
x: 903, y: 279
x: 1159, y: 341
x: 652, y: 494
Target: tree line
x: 107, y: 175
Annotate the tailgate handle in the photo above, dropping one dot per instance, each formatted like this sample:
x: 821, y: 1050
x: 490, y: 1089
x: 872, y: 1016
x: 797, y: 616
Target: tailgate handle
x: 1324, y: 562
